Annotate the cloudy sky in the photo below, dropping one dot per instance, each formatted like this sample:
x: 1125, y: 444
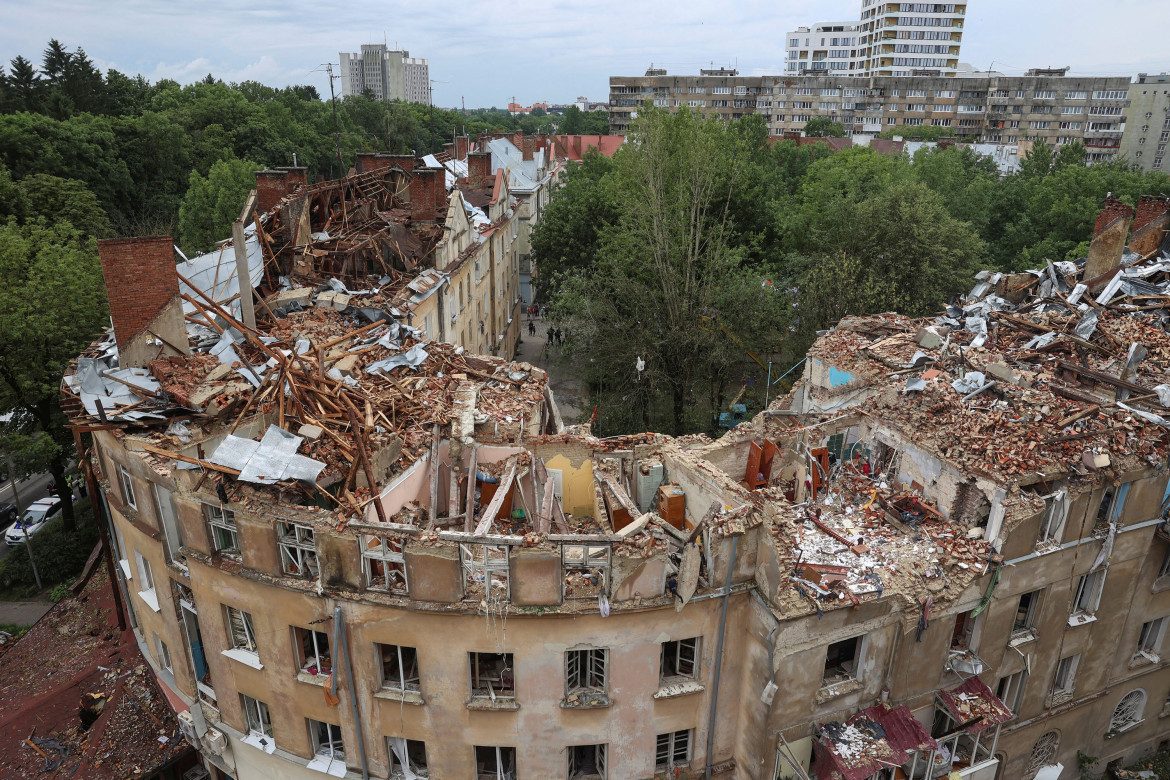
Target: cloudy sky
x: 485, y: 53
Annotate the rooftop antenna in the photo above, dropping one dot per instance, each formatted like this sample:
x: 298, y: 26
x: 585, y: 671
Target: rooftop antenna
x: 328, y: 67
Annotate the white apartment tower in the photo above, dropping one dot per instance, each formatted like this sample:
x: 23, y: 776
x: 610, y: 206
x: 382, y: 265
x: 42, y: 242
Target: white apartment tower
x: 891, y: 39
x: 388, y: 74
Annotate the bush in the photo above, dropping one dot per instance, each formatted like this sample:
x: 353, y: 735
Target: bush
x: 59, y: 591
x: 60, y: 555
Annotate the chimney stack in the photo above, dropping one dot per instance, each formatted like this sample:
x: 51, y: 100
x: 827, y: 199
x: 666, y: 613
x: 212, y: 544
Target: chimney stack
x: 462, y: 142
x: 479, y: 169
x: 1153, y: 218
x: 142, y: 286
x: 1108, y: 242
x: 427, y: 190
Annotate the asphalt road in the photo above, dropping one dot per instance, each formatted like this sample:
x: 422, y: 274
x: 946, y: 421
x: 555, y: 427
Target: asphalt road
x: 27, y: 492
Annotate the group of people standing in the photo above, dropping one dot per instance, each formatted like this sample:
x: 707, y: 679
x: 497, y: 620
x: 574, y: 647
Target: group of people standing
x: 556, y: 336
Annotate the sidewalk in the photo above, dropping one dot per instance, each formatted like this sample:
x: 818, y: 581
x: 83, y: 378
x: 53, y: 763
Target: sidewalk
x: 23, y: 613
x: 566, y: 385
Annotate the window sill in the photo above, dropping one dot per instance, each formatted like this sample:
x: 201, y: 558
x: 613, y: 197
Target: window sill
x: 1080, y: 619
x: 585, y: 700
x: 1118, y: 732
x: 1056, y: 699
x: 676, y: 689
x: 245, y: 657
x: 394, y: 694
x: 837, y: 689
x: 321, y: 678
x: 327, y: 765
x: 1022, y: 637
x: 260, y: 741
x: 126, y: 569
x: 485, y: 704
x: 150, y: 597
x: 1144, y: 659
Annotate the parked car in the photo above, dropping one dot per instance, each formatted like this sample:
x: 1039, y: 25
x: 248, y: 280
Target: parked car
x: 8, y: 513
x: 36, y: 517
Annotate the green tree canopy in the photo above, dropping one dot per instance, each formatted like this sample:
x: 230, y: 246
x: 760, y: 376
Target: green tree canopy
x: 213, y: 203
x: 822, y: 127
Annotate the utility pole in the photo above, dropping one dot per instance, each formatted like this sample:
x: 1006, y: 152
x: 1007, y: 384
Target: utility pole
x: 27, y: 544
x: 336, y: 129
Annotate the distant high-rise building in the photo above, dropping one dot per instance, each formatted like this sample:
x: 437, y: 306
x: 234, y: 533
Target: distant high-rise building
x: 891, y: 39
x: 389, y: 74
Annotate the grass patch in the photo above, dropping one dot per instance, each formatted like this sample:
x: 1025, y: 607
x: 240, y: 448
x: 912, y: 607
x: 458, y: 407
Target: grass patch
x: 60, y: 556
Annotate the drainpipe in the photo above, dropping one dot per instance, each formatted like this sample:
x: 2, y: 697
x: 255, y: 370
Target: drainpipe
x: 340, y: 636
x: 719, y: 656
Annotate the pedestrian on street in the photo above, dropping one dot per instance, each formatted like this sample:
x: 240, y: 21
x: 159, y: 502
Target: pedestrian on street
x: 560, y: 337
x: 531, y: 328
x: 550, y: 335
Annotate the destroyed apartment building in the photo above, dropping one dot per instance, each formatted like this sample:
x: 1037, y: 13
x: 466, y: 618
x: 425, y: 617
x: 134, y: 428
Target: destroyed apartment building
x: 351, y: 546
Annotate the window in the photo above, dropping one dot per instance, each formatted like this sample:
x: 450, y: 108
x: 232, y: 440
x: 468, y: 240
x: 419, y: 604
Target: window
x: 1011, y: 690
x: 243, y: 635
x: 326, y: 740
x: 1064, y: 683
x: 313, y: 651
x: 720, y: 90
x: 399, y: 667
x: 1052, y: 522
x: 165, y: 504
x: 1088, y: 596
x: 1044, y: 94
x: 1128, y: 712
x: 493, y: 763
x: 1025, y: 613
x: 1043, y: 753
x: 298, y: 553
x: 224, y: 534
x: 127, y: 485
x: 586, y: 761
x: 842, y: 661
x: 1070, y: 125
x: 164, y: 655
x: 1150, y: 641
x: 385, y: 567
x: 945, y: 93
x: 146, y: 582
x: 492, y: 676
x: 258, y: 722
x: 673, y: 749
x: 830, y: 92
x: 406, y: 755
x: 1075, y: 95
x: 1111, y: 94
x: 586, y: 673
x: 679, y: 660
x: 485, y: 571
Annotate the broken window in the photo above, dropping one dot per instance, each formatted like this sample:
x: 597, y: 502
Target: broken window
x: 1010, y: 690
x: 964, y: 631
x: 407, y: 757
x: 1112, y: 503
x: 1150, y: 641
x: 298, y: 551
x: 673, y: 749
x: 127, y: 485
x: 256, y: 716
x: 164, y: 655
x: 326, y: 740
x: 165, y: 504
x: 586, y: 761
x: 1025, y: 613
x: 1052, y: 522
x: 313, y: 651
x: 586, y: 672
x: 841, y: 661
x: 1128, y: 712
x: 586, y: 570
x: 494, y: 763
x: 1088, y: 596
x: 240, y: 628
x: 485, y: 571
x: 1064, y: 682
x: 399, y: 667
x: 385, y: 567
x: 492, y: 676
x: 679, y: 660
x: 224, y: 534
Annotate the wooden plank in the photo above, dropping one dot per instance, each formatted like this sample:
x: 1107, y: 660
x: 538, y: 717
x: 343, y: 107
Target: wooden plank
x: 546, y: 508
x: 497, y: 501
x: 435, y: 441
x: 469, y: 516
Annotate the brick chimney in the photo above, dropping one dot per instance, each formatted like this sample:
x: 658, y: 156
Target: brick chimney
x: 270, y: 188
x: 449, y: 148
x: 295, y: 177
x: 403, y: 161
x: 427, y: 190
x: 143, y: 290
x: 527, y: 147
x: 479, y: 169
x: 1153, y: 217
x: 365, y: 162
x: 1108, y: 242
x: 462, y: 143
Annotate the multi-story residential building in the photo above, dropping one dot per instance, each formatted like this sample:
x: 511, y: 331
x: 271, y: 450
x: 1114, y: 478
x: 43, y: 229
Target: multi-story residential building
x: 387, y: 73
x: 1041, y: 106
x: 890, y: 39
x: 1148, y: 129
x: 350, y: 551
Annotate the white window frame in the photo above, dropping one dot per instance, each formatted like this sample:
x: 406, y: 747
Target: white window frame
x: 146, y: 589
x: 1087, y: 598
x: 405, y: 681
x: 241, y: 630
x: 587, y: 671
x: 1064, y: 681
x: 599, y: 762
x: 585, y: 558
x: 672, y: 668
x: 1053, y: 520
x: 673, y: 749
x: 1149, y: 645
x: 164, y: 655
x: 165, y: 503
x: 298, y: 550
x: 1128, y: 713
x: 1010, y: 690
x: 486, y: 565
x: 125, y: 481
x: 381, y: 550
x: 397, y: 770
x: 222, y: 520
x: 258, y: 721
x: 1043, y: 753
x: 333, y: 746
x: 310, y: 659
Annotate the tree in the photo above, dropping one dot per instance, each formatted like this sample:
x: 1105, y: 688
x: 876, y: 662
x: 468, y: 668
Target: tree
x: 214, y: 202
x: 66, y: 200
x: 822, y: 127
x: 920, y: 132
x: 24, y: 85
x: 573, y: 122
x: 53, y: 307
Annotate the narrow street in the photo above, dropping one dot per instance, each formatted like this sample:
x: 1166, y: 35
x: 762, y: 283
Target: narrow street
x: 570, y: 393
